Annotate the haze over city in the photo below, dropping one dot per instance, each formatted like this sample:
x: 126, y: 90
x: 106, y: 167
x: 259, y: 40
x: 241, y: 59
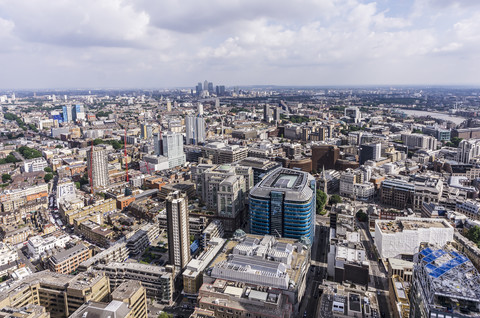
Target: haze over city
x: 145, y: 44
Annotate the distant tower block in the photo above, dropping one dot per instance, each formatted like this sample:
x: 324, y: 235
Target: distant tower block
x: 169, y: 106
x: 200, y: 109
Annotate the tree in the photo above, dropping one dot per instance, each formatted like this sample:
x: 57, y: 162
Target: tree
x: 473, y: 234
x: 165, y: 315
x: 334, y: 199
x: 417, y: 131
x: 6, y: 177
x: 361, y: 216
x: 47, y: 169
x: 48, y: 177
x: 59, y: 146
x: 78, y: 185
x: 454, y: 142
x: 321, y: 201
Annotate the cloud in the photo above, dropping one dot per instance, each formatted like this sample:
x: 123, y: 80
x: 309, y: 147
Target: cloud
x: 176, y: 43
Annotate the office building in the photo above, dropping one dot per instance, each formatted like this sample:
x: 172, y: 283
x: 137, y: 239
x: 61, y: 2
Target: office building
x: 61, y: 295
x: 324, y: 157
x: 178, y: 229
x: 224, y: 188
x: 115, y: 253
x: 280, y: 264
x: 260, y: 166
x: 398, y: 293
x: 403, y: 236
x: 157, y: 280
x: 220, y: 90
x: 193, y: 273
x: 128, y: 300
x: 8, y: 255
x: 445, y: 284
x: 78, y: 112
x: 67, y: 112
x: 146, y: 131
x: 220, y: 153
x: 195, y: 129
x: 213, y: 230
x: 468, y: 150
x: 437, y: 132
x: 67, y: 261
x: 370, y: 152
x: 228, y: 299
x: 142, y: 238
x: 353, y: 114
x: 397, y: 193
x: 97, y: 165
x: 283, y: 204
x: 172, y: 145
x: 419, y: 141
x: 341, y: 301
x: 34, y: 165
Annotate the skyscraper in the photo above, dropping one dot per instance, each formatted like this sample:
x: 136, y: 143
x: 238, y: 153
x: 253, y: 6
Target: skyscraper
x: 146, y: 131
x: 172, y: 145
x: 210, y: 87
x: 67, y: 113
x: 266, y: 113
x: 178, y: 229
x: 158, y: 144
x: 283, y: 204
x: 97, y: 164
x: 199, y: 88
x: 205, y: 85
x: 195, y: 128
x: 169, y: 105
x: 78, y: 112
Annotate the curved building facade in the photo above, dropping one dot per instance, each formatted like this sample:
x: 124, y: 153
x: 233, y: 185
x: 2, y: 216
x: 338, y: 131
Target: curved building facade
x: 283, y: 204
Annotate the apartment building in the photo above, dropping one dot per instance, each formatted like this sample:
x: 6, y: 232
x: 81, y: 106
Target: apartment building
x: 67, y: 261
x: 115, y: 253
x: 157, y: 280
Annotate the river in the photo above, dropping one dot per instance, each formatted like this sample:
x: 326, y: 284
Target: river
x: 420, y: 113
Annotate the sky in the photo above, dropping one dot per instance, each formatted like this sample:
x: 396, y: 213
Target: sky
x: 177, y: 43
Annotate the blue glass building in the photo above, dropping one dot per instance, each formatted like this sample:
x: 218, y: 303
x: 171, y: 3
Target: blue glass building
x: 283, y: 204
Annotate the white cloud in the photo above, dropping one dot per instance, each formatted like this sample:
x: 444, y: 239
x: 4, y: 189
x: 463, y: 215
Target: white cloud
x: 169, y: 43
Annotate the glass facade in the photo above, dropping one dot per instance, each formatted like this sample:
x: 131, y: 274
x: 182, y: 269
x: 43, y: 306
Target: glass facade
x: 280, y: 217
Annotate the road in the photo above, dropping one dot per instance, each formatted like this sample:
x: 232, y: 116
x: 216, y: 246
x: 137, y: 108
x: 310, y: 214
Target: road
x: 378, y: 275
x: 317, y: 271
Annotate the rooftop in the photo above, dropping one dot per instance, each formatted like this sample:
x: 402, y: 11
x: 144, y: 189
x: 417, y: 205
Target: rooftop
x: 410, y: 224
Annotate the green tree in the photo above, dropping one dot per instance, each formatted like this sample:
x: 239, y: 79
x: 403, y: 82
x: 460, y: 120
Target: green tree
x: 78, y: 185
x: 473, y: 234
x: 6, y: 177
x: 165, y: 315
x: 334, y: 199
x: 59, y: 146
x: 48, y: 177
x: 361, y: 216
x: 454, y: 142
x: 417, y: 131
x: 47, y: 169
x: 321, y: 201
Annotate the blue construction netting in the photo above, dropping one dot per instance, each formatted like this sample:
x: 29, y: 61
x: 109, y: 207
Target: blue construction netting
x: 439, y: 271
x: 433, y: 256
x: 426, y: 251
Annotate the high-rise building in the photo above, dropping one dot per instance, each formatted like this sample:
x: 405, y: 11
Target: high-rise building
x: 419, y: 141
x: 276, y: 114
x: 324, y: 156
x: 210, y: 87
x: 97, y: 164
x: 67, y: 113
x: 146, y: 131
x: 467, y: 150
x: 158, y: 144
x: 195, y: 128
x: 169, y: 105
x: 172, y: 145
x: 370, y: 152
x: 199, y: 88
x: 220, y: 90
x: 178, y: 229
x: 78, y: 112
x: 283, y: 204
x: 266, y: 113
x: 205, y: 85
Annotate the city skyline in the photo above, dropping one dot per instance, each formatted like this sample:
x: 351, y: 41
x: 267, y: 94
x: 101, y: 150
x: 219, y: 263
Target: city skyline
x: 126, y: 44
